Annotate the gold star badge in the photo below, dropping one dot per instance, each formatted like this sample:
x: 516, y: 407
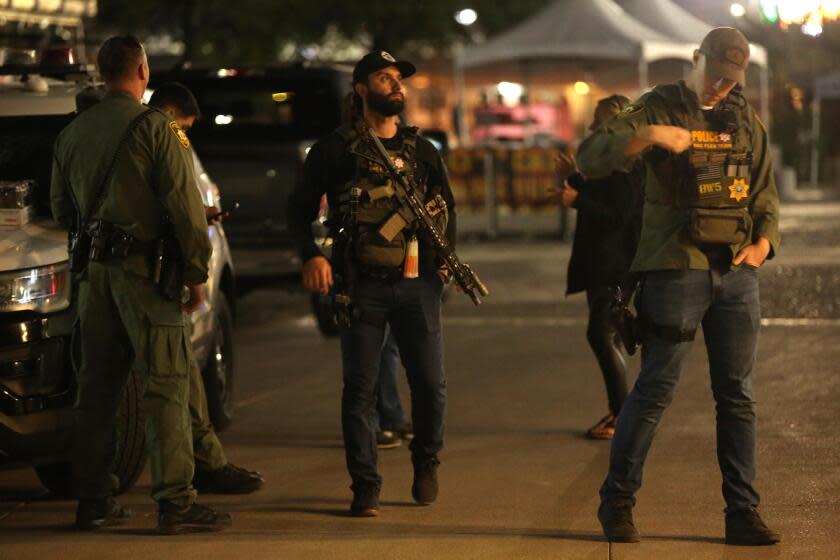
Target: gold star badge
x: 739, y: 189
x: 179, y: 134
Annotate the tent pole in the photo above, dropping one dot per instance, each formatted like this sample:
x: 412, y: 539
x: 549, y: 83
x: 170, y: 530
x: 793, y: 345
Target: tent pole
x: 815, y: 141
x: 643, y: 74
x: 764, y: 77
x: 458, y: 69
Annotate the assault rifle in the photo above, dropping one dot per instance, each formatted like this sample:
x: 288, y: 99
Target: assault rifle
x: 414, y: 209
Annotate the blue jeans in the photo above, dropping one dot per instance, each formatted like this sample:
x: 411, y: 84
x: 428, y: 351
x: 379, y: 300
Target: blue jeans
x: 389, y: 411
x: 412, y: 309
x: 727, y: 306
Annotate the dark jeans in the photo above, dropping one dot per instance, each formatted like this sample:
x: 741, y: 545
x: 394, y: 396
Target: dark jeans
x: 412, y: 309
x: 389, y: 410
x: 727, y: 306
x: 607, y: 345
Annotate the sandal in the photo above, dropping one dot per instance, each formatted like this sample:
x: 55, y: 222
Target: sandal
x: 604, y: 429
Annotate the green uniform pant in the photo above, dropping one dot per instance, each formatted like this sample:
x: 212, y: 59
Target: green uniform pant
x: 207, y: 448
x: 124, y: 324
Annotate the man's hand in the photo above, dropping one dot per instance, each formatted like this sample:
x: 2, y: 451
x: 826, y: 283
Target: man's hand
x: 197, y: 297
x: 672, y: 138
x: 317, y: 275
x: 565, y: 166
x: 568, y: 195
x: 754, y: 254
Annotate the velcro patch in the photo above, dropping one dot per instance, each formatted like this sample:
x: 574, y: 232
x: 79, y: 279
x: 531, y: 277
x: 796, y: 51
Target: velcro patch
x: 179, y: 134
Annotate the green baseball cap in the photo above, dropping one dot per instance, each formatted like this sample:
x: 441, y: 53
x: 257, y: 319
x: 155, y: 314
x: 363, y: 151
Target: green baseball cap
x: 727, y: 54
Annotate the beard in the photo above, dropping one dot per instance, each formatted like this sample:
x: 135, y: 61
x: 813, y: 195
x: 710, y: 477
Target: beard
x: 385, y: 105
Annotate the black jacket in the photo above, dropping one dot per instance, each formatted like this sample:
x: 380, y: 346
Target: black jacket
x: 609, y: 222
x: 328, y: 169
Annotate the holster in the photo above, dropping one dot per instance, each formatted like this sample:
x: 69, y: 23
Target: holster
x: 166, y: 268
x: 624, y: 321
x: 78, y: 250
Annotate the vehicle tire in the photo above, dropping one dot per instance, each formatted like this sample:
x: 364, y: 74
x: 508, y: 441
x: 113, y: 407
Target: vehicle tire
x: 324, y: 317
x: 218, y: 374
x: 130, y: 457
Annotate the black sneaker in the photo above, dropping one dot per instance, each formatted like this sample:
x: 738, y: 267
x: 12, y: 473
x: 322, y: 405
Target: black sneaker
x: 745, y: 527
x: 425, y: 487
x: 365, y: 501
x: 174, y: 519
x: 229, y: 479
x: 616, y: 517
x: 386, y: 439
x: 96, y: 514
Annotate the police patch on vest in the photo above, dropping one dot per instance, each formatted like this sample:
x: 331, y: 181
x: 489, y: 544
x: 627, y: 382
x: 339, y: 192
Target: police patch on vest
x: 711, y: 140
x: 630, y: 110
x: 179, y: 134
x: 739, y: 189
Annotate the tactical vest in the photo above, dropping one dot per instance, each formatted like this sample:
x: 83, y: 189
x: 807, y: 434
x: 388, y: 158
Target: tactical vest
x: 715, y: 174
x: 380, y: 234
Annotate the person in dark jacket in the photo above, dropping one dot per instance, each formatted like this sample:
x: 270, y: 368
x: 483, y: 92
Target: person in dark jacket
x: 609, y: 220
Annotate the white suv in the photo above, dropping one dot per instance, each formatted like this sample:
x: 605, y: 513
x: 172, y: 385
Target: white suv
x: 36, y: 293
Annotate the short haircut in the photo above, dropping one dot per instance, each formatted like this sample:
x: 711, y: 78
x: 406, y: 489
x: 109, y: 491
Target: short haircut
x: 118, y: 56
x: 619, y: 102
x: 178, y: 96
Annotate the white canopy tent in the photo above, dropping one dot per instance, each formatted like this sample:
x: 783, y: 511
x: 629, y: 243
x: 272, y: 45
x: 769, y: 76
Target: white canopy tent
x: 595, y: 30
x: 598, y: 34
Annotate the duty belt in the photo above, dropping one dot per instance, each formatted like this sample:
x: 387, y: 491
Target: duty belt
x: 385, y: 274
x: 109, y: 242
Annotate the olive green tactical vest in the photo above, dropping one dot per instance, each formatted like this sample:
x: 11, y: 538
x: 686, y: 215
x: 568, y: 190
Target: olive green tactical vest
x: 714, y: 173
x: 380, y: 234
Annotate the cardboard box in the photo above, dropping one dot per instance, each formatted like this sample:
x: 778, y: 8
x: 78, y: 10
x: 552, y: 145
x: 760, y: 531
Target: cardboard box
x: 15, y: 217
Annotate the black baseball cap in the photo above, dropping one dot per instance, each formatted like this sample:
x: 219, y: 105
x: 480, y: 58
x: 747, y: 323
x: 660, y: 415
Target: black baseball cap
x: 378, y: 60
x: 727, y: 54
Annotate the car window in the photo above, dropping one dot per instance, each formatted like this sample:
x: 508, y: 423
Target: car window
x: 250, y: 108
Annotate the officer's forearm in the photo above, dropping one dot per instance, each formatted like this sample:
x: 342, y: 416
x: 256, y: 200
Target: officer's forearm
x: 604, y: 152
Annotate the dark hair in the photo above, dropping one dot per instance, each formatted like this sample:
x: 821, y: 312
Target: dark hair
x: 178, y: 96
x: 616, y: 100
x: 118, y: 56
x: 351, y: 108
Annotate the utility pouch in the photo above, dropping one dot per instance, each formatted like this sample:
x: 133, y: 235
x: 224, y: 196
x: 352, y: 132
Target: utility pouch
x: 167, y: 268
x: 372, y: 249
x: 727, y: 226
x: 78, y: 250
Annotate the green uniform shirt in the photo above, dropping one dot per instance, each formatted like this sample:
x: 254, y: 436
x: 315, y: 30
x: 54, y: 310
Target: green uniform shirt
x: 664, y: 242
x: 153, y: 180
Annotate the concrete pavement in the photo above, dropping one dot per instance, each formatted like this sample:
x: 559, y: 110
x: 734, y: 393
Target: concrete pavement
x: 517, y: 478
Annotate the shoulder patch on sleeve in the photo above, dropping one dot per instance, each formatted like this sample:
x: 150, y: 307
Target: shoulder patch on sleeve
x: 179, y: 134
x: 632, y: 109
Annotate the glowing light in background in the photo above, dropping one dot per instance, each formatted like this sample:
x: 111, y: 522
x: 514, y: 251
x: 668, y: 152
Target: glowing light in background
x: 467, y: 16
x: 810, y: 14
x: 581, y: 88
x: 511, y: 92
x: 737, y: 9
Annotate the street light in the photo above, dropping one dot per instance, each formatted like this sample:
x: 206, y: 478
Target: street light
x: 466, y: 17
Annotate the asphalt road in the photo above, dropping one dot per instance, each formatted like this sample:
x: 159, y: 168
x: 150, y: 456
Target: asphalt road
x: 518, y: 480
